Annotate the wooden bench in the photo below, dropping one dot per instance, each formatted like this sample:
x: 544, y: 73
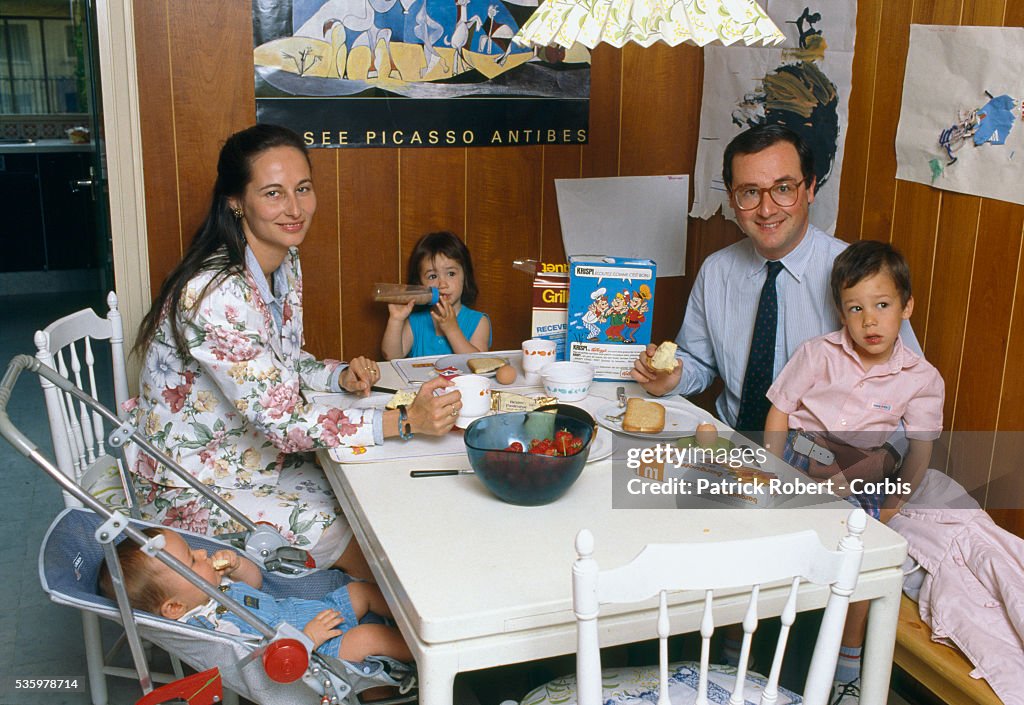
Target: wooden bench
x: 941, y: 669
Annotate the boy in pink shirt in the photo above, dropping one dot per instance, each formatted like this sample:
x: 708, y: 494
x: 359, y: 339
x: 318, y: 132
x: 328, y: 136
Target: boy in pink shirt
x: 847, y: 392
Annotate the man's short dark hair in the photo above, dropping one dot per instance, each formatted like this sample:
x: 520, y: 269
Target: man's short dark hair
x: 760, y: 138
x: 866, y: 258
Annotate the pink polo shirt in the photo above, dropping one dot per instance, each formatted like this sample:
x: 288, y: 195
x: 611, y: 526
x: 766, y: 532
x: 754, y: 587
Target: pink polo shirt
x: 824, y: 388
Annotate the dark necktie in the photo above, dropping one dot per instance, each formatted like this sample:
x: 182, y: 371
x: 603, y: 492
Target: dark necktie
x: 754, y: 405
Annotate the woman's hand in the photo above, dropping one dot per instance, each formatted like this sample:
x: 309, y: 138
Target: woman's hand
x: 656, y: 382
x: 434, y: 415
x: 322, y: 627
x: 361, y: 374
x: 445, y: 317
x: 400, y: 312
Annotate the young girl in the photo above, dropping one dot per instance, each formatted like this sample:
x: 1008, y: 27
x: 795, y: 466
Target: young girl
x: 439, y: 260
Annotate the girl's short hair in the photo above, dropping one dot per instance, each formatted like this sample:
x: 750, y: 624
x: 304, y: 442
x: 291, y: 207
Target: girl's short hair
x: 448, y: 244
x: 864, y: 259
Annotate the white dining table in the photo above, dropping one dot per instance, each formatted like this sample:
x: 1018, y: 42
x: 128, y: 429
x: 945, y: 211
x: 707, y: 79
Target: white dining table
x: 475, y: 583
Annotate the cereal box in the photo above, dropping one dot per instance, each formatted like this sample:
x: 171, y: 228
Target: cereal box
x: 611, y: 307
x: 550, y: 303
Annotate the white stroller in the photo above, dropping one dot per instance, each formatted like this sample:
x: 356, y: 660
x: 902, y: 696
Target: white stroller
x: 265, y: 669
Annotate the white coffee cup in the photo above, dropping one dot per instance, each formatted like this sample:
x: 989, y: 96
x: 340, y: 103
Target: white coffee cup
x: 537, y: 352
x: 476, y: 398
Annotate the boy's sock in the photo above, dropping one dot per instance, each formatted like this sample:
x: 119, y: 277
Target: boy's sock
x: 731, y: 651
x: 848, y: 668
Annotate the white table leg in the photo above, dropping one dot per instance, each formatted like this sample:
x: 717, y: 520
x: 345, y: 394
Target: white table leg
x: 437, y: 679
x: 879, y: 643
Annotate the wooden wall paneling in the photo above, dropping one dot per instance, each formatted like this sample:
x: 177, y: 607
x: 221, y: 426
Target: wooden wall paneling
x: 213, y: 93
x: 433, y: 197
x: 889, y: 66
x: 368, y: 192
x: 984, y: 12
x: 859, y: 111
x: 913, y: 233
x: 998, y: 247
x: 600, y: 155
x: 879, y: 191
x: 166, y: 240
x: 503, y: 202
x: 661, y: 90
x: 955, y: 240
x: 1005, y: 499
x: 321, y: 261
x: 560, y: 162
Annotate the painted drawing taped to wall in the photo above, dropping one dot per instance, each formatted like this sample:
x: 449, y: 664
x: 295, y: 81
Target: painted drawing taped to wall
x: 415, y: 73
x: 804, y: 85
x: 963, y: 133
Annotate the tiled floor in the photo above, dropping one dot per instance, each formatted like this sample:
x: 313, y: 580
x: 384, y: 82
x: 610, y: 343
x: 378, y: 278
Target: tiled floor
x: 41, y: 640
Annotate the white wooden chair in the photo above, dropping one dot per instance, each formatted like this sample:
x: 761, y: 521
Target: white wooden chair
x: 712, y: 567
x: 72, y: 346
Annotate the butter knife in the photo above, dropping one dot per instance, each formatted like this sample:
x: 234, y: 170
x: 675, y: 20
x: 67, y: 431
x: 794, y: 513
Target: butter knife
x: 439, y: 473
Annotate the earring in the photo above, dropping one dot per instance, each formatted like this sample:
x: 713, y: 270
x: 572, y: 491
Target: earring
x: 238, y: 213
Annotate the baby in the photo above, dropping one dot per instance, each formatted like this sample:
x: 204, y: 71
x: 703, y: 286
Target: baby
x: 332, y: 623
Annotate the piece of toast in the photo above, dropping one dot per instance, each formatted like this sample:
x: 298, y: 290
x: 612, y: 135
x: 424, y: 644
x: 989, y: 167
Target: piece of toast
x: 483, y: 365
x: 664, y: 359
x: 404, y: 397
x: 643, y: 416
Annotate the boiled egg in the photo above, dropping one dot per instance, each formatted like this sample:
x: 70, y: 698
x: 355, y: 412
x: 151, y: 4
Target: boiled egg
x: 706, y: 435
x: 506, y: 374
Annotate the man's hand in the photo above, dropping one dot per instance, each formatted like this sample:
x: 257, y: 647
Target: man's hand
x: 656, y: 382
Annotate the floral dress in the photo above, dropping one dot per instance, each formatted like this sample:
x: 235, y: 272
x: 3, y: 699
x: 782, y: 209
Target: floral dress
x: 234, y: 415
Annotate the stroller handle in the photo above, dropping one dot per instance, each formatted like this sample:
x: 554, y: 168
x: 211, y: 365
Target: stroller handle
x: 29, y: 449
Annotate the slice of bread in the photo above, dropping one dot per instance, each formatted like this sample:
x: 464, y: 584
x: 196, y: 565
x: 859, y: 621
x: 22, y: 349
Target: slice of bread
x: 483, y: 365
x: 405, y: 397
x: 664, y: 359
x: 643, y: 416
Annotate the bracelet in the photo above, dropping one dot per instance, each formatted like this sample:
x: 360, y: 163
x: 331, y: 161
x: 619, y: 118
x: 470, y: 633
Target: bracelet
x: 404, y: 429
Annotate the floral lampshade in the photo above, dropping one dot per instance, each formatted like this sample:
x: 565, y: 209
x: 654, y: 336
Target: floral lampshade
x: 700, y: 22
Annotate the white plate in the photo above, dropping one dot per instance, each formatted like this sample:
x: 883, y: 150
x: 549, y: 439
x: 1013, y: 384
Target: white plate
x: 602, y: 446
x: 679, y: 421
x: 461, y: 363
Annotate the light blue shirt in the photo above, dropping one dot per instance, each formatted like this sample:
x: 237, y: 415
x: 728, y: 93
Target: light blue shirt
x: 714, y: 340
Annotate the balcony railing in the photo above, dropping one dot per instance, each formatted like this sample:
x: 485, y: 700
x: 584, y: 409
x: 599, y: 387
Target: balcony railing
x: 55, y: 94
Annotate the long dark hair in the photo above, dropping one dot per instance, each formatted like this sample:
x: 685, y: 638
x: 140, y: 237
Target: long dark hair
x: 448, y: 244
x: 219, y: 243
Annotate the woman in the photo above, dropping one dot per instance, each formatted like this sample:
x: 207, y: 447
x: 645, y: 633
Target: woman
x: 224, y: 370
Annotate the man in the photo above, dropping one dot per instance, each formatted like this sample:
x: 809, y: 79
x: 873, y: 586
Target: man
x: 782, y: 268
x: 768, y: 171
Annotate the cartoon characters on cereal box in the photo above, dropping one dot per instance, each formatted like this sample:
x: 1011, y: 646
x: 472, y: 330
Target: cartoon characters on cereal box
x: 610, y: 308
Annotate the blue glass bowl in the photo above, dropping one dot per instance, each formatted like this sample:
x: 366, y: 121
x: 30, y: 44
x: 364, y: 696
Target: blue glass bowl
x: 525, y: 478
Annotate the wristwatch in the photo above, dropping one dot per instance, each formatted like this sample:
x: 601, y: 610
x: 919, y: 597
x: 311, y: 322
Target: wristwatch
x: 897, y: 459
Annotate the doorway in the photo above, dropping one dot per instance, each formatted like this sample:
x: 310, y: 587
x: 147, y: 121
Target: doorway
x: 52, y: 162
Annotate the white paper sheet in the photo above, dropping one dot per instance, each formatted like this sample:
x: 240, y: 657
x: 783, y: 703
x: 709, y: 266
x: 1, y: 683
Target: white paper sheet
x: 626, y: 216
x: 735, y: 96
x: 949, y: 71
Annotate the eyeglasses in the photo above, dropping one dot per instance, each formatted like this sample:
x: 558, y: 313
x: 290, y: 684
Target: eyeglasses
x: 784, y: 194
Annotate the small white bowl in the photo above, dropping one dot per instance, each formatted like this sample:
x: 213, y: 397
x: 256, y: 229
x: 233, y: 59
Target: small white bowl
x: 567, y: 381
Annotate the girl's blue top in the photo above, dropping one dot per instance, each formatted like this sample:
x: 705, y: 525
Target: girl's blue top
x: 425, y: 341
